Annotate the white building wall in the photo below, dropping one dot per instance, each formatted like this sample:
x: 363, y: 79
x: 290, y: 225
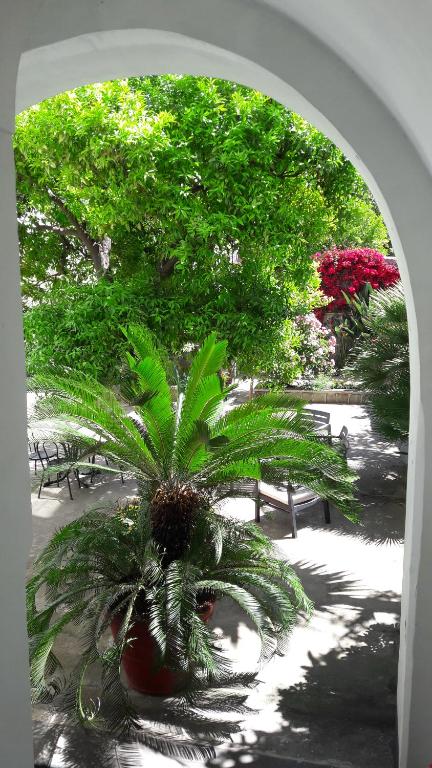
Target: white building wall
x: 15, y: 512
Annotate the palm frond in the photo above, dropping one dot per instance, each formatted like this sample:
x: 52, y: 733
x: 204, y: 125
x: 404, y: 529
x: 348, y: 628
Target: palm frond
x: 379, y: 362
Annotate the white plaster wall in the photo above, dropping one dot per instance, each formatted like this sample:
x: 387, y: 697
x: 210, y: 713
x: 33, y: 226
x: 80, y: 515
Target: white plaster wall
x: 65, y: 44
x: 15, y: 519
x: 388, y: 44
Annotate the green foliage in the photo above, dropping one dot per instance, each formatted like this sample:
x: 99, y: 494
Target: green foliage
x: 305, y: 351
x: 78, y: 325
x: 211, y: 194
x: 350, y: 324
x: 359, y: 223
x: 105, y: 564
x: 185, y: 461
x: 380, y: 361
x: 197, y: 443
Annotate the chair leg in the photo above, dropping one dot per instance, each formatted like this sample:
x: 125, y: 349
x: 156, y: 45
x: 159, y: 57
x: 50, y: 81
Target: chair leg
x: 291, y: 511
x: 327, y: 517
x: 122, y: 478
x: 76, y: 471
x: 40, y: 488
x: 293, y: 522
x: 257, y: 510
x: 69, y: 486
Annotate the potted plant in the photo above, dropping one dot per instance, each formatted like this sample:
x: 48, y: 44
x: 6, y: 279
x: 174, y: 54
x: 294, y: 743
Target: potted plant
x: 105, y: 570
x: 150, y: 569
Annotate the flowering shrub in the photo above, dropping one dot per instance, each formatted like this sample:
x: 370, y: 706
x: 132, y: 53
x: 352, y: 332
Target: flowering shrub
x: 349, y: 271
x: 305, y: 351
x: 316, y: 347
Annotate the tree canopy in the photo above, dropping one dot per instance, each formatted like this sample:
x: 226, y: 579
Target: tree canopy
x: 212, y: 194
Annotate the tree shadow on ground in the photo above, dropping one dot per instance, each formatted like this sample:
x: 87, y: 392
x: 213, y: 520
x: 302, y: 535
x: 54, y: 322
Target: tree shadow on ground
x: 346, y: 695
x: 178, y: 728
x: 355, y: 682
x: 329, y: 590
x: 344, y: 707
x: 343, y: 712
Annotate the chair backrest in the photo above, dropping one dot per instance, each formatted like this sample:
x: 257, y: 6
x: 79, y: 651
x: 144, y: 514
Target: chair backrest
x: 321, y: 420
x: 70, y: 451
x: 41, y: 452
x: 244, y: 487
x: 31, y: 442
x: 51, y: 449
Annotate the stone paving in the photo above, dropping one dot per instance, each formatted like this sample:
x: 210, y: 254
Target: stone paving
x: 330, y: 701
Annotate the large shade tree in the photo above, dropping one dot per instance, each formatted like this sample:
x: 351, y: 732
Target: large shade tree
x: 210, y: 193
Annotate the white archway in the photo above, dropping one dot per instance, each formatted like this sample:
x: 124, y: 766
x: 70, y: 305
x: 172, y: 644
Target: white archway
x: 252, y: 44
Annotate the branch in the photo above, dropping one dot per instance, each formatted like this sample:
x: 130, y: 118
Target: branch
x: 166, y: 267
x: 63, y: 231
x: 98, y: 252
x: 104, y: 248
x: 80, y: 233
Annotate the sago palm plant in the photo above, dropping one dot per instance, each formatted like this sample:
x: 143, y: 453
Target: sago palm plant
x: 106, y: 564
x: 195, y: 454
x: 159, y: 559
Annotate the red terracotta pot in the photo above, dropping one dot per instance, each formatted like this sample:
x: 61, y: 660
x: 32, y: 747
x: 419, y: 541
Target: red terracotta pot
x: 206, y: 610
x: 139, y: 659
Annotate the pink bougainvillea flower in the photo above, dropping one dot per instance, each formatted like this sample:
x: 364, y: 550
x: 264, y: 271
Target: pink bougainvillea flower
x: 348, y: 271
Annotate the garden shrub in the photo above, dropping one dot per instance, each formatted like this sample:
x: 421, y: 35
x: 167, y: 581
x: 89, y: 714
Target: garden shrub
x: 305, y: 351
x: 316, y: 347
x: 350, y: 271
x: 79, y: 325
x: 380, y: 362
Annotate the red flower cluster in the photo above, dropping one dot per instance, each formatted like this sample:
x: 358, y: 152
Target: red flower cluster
x: 348, y: 271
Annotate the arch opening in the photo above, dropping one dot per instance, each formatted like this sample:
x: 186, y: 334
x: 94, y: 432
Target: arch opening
x: 105, y: 55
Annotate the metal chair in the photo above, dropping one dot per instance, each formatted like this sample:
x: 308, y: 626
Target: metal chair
x: 64, y: 453
x: 289, y: 499
x: 33, y: 454
x: 40, y: 452
x: 320, y: 421
x: 343, y: 443
x: 96, y: 458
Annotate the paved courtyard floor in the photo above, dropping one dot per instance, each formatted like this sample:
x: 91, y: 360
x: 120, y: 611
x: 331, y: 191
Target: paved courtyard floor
x: 330, y: 701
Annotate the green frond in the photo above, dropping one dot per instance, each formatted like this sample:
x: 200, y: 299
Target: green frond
x: 141, y: 340
x: 379, y: 362
x: 251, y: 607
x: 156, y: 411
x: 202, y: 407
x: 270, y: 402
x: 209, y: 360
